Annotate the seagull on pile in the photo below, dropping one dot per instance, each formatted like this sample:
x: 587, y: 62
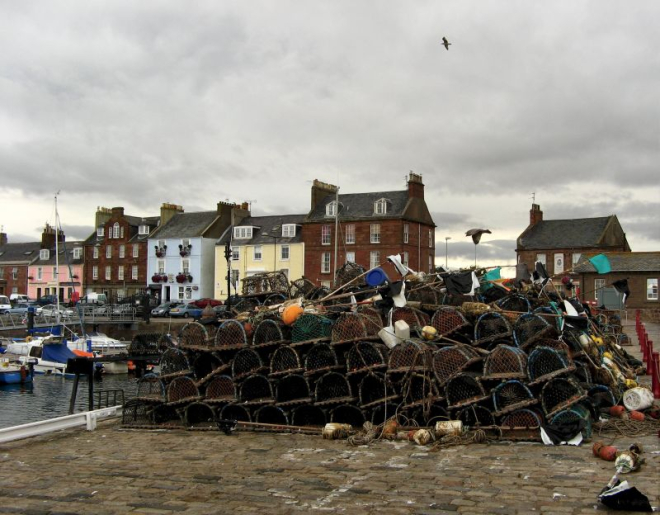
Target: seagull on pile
x: 476, y: 234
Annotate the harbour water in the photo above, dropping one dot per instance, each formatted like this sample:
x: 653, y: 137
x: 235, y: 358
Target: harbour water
x: 48, y: 396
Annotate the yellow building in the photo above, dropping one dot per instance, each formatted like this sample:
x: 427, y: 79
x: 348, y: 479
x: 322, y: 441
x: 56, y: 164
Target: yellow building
x: 260, y: 244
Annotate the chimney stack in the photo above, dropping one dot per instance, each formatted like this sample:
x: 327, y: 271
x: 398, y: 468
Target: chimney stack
x: 48, y: 237
x: 320, y: 190
x: 103, y: 214
x: 535, y: 215
x: 3, y: 238
x: 167, y: 212
x: 415, y: 186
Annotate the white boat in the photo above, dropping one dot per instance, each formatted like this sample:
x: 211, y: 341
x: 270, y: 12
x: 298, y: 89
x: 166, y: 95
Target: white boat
x: 48, y: 355
x: 102, y: 345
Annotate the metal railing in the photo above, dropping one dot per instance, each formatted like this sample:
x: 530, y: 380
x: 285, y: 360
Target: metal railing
x: 120, y: 313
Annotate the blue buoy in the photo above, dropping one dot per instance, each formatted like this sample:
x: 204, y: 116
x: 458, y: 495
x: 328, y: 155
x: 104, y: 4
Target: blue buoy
x: 376, y: 277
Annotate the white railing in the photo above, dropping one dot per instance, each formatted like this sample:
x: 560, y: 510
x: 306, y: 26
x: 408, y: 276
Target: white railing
x: 86, y: 418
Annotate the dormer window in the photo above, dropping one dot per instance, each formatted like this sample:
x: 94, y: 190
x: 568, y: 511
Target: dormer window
x: 77, y: 253
x: 143, y: 230
x: 380, y: 207
x: 100, y: 232
x: 331, y: 208
x: 288, y: 230
x: 44, y: 254
x: 243, y: 232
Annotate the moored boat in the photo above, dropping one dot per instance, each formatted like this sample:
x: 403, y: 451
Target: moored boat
x: 12, y: 373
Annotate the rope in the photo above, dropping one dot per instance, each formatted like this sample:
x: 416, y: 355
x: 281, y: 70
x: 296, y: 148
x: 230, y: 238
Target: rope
x: 626, y: 428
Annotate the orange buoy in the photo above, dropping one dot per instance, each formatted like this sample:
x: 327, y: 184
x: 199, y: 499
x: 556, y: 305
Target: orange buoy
x: 617, y: 411
x: 291, y: 314
x: 636, y: 415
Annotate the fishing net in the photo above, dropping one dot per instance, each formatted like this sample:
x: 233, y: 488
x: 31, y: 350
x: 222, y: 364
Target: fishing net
x: 332, y: 388
x: 490, y: 327
x: 376, y: 389
x: 308, y: 416
x: 291, y: 390
x: 182, y: 390
x: 194, y: 336
x: 150, y: 388
x: 464, y: 389
x: 230, y: 335
x: 364, y: 356
x: 410, y: 355
x: 321, y: 358
x: 285, y: 360
x: 560, y: 393
x: 510, y: 396
x: 545, y: 363
x: 220, y: 390
x: 173, y: 363
x: 309, y: 328
x: 476, y: 416
x: 505, y: 362
x: 448, y: 320
x: 270, y: 332
x: 449, y: 361
x: 256, y: 390
x: 246, y: 362
x: 351, y: 327
x: 523, y: 418
x: 199, y: 415
x: 347, y: 414
x: 271, y: 415
x: 235, y: 412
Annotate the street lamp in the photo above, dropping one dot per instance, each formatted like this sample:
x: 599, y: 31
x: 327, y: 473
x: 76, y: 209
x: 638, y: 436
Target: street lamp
x: 228, y: 255
x: 447, y: 238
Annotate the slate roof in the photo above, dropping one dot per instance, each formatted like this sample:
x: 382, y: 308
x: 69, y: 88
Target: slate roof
x: 555, y: 234
x: 70, y: 245
x: 265, y: 225
x: 356, y: 206
x: 186, y: 225
x: 622, y: 262
x: 19, y: 252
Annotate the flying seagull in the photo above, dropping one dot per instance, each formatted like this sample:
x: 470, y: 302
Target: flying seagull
x: 476, y: 234
x: 446, y: 43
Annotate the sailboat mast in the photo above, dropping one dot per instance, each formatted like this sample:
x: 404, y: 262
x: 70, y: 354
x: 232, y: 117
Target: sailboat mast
x: 57, y: 263
x: 336, y: 231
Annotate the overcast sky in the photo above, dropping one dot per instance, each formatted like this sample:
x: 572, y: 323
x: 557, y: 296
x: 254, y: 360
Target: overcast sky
x: 133, y: 104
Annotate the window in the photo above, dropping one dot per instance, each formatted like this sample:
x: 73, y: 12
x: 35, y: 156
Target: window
x: 95, y: 253
x: 374, y: 233
x: 325, y: 284
x: 108, y: 273
x: 430, y: 263
x: 541, y: 258
x: 185, y: 266
x: 14, y: 273
x: 374, y: 259
x: 380, y: 207
x: 431, y: 238
x: 121, y: 232
x: 134, y: 272
x: 122, y: 251
x: 235, y: 253
x: 406, y: 233
x: 284, y: 254
x: 136, y: 250
x: 599, y: 284
x: 188, y: 292
x: 325, y: 263
x: 95, y: 272
x: 161, y: 267
x: 559, y: 263
x: 243, y: 233
x: 652, y: 289
x: 100, y: 232
x: 326, y: 235
x: 115, y: 230
x: 77, y: 253
x: 350, y: 257
x: 40, y: 273
x: 120, y: 273
x: 405, y: 258
x: 44, y: 254
x: 143, y: 229
x: 331, y: 208
x: 181, y: 292
x: 257, y: 253
x: 288, y: 230
x: 2, y: 272
x: 108, y: 251
x: 350, y: 234
x: 576, y: 258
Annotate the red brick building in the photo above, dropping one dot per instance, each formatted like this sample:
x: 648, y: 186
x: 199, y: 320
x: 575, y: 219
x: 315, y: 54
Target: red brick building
x: 14, y: 261
x: 366, y: 228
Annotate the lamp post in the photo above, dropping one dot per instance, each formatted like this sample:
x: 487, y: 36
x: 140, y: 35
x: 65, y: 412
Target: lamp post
x: 447, y: 238
x: 228, y: 254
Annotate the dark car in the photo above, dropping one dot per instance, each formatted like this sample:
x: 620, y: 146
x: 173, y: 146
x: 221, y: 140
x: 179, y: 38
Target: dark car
x: 46, y: 299
x: 164, y: 309
x: 186, y: 311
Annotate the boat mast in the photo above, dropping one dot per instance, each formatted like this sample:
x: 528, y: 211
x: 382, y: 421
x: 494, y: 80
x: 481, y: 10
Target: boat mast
x: 57, y: 262
x: 336, y: 233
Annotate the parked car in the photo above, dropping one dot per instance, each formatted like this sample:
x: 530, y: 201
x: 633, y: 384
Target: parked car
x: 122, y: 311
x: 47, y: 299
x: 20, y: 308
x: 164, y: 309
x: 186, y: 311
x: 50, y: 311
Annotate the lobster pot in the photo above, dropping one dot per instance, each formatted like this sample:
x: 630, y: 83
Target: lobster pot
x: 382, y: 412
x: 194, y: 336
x: 577, y: 412
x: 246, y: 304
x: 256, y: 390
x: 415, y: 318
x: 284, y: 361
x: 449, y: 361
x: 301, y: 288
x: 419, y: 388
x: 230, y: 335
x: 514, y: 302
x: 182, y: 390
x: 583, y: 373
x: 245, y: 363
x: 167, y: 415
x: 529, y: 328
x: 321, y: 358
x: 205, y: 365
x: 235, y: 412
x: 550, y: 314
x: 505, y: 362
x: 147, y: 343
x: 271, y: 415
x: 267, y: 282
x: 601, y: 397
x: 220, y: 390
x: 270, y: 332
x: 310, y: 328
x: 510, y: 396
x: 476, y: 416
x: 410, y: 355
x: 365, y: 356
x: 545, y: 363
x: 332, y: 388
x: 308, y: 416
x: 376, y: 389
x: 572, y: 341
x: 351, y: 327
x: 174, y: 363
x: 490, y: 327
x: 455, y: 300
x: 350, y: 272
x: 274, y: 299
x: 560, y: 393
x: 199, y: 415
x: 150, y: 388
x: 464, y: 389
x: 373, y: 314
x: 347, y: 414
x: 523, y: 418
x: 425, y: 294
x: 292, y: 390
x: 448, y: 320
x: 137, y: 412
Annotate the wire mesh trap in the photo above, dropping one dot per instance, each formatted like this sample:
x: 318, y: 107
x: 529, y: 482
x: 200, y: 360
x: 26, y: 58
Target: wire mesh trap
x: 235, y: 412
x: 274, y: 299
x: 376, y: 389
x: 137, y: 412
x: 382, y: 412
x: 270, y: 332
x: 476, y: 416
x: 150, y: 388
x: 220, y: 390
x: 514, y: 302
x: 301, y: 288
x: 510, y: 396
x: 415, y: 318
x: 351, y: 327
x: 291, y: 390
x: 146, y: 344
x: 307, y: 415
x: 350, y: 272
x: 173, y: 363
x: 529, y: 328
x: 256, y: 390
x: 230, y: 335
x: 583, y: 373
x: 426, y: 294
x: 309, y: 328
x: 332, y: 388
x: 347, y: 414
x: 271, y: 415
x: 491, y: 326
x: 505, y: 362
x: 194, y: 336
x: 245, y: 304
x: 545, y: 363
x: 321, y: 358
x: 205, y: 365
x: 448, y: 320
x: 574, y: 413
x: 410, y: 355
x: 464, y: 389
x: 365, y: 356
x: 449, y: 361
x: 560, y: 393
x: 523, y: 418
x: 182, y: 390
x: 419, y: 388
x: 266, y: 283
x: 245, y: 363
x: 285, y: 360
x: 601, y: 397
x: 199, y: 415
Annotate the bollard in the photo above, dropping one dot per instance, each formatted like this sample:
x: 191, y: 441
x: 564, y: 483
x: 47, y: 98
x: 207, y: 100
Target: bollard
x: 655, y: 375
x: 642, y: 345
x: 648, y: 354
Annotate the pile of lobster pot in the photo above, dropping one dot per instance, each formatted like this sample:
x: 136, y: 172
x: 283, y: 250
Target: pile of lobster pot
x: 517, y: 362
